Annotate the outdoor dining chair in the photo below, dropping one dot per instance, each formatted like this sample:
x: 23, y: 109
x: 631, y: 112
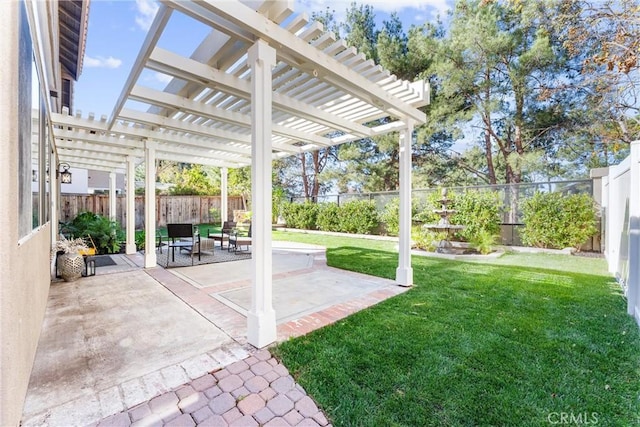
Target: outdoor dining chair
x: 237, y: 240
x: 183, y: 237
x: 223, y: 235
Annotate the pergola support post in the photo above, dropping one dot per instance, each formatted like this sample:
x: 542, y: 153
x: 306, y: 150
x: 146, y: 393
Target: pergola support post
x: 130, y: 212
x: 54, y: 203
x: 404, y: 272
x: 261, y: 319
x: 224, y: 195
x: 150, y: 205
x: 112, y: 196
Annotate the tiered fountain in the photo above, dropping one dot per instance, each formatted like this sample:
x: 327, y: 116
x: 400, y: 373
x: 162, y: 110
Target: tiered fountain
x: 445, y: 246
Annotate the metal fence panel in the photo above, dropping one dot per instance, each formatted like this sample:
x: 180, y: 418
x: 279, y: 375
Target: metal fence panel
x: 510, y: 194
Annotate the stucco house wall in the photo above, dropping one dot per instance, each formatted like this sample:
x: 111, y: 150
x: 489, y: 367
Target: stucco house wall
x: 24, y: 261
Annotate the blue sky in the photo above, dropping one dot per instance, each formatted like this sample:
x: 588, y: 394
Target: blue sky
x: 118, y: 28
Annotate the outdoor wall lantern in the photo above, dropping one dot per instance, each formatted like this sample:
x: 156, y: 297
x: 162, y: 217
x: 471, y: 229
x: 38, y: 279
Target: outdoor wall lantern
x: 64, y: 174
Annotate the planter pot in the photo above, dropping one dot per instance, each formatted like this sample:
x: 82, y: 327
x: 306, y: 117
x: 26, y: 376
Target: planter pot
x: 71, y: 266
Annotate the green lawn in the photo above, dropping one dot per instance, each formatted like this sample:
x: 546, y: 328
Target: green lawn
x: 474, y: 344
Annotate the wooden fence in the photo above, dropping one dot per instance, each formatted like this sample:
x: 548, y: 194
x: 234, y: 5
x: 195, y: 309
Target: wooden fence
x: 169, y: 209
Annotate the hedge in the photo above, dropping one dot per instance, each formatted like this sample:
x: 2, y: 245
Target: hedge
x: 555, y: 220
x: 356, y: 216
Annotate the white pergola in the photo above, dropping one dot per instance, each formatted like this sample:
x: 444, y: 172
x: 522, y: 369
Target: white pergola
x: 264, y: 83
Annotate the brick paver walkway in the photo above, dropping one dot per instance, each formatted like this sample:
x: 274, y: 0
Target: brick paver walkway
x: 256, y: 391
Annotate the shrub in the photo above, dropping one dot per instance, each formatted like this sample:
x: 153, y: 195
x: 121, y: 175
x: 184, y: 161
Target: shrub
x: 390, y: 216
x: 553, y: 220
x: 328, y: 217
x: 215, y: 215
x: 300, y: 215
x: 140, y: 237
x: 425, y: 209
x: 358, y: 216
x: 277, y: 199
x: 483, y: 241
x: 105, y: 233
x: 427, y: 240
x: 479, y: 212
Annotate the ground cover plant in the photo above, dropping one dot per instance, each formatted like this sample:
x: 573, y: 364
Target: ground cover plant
x: 474, y: 344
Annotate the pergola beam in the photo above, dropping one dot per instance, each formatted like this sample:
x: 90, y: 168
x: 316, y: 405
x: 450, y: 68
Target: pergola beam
x: 306, y: 57
x: 173, y: 64
x: 153, y: 35
x: 171, y: 101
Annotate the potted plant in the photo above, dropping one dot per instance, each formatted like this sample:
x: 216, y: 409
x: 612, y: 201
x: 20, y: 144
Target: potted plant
x: 70, y: 261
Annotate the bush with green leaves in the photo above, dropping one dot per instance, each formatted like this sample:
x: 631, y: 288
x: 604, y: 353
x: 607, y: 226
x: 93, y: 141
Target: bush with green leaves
x: 479, y: 212
x: 107, y: 235
x: 483, y: 241
x: 390, y: 215
x: 427, y: 240
x: 555, y: 220
x: 425, y: 207
x: 358, y: 216
x: 300, y: 215
x: 278, y: 197
x: 140, y: 237
x: 328, y: 217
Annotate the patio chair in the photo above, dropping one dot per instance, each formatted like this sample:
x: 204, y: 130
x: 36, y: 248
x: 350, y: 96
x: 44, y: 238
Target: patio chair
x: 160, y: 241
x: 237, y: 240
x: 227, y: 229
x: 183, y: 237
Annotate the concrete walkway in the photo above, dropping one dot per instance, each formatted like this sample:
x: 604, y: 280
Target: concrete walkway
x: 168, y: 347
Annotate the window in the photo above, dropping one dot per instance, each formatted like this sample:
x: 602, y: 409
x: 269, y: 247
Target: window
x: 33, y: 147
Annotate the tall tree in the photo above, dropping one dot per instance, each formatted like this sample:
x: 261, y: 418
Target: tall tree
x: 605, y: 36
x: 194, y: 180
x: 501, y: 68
x: 371, y: 164
x: 360, y: 30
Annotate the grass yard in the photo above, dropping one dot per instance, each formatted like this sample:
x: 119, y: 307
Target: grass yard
x: 474, y: 344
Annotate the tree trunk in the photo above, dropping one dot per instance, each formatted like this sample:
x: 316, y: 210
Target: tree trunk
x: 315, y: 189
x: 487, y: 136
x: 305, y: 182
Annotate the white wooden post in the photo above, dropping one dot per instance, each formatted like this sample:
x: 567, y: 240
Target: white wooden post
x: 261, y: 319
x: 150, y: 205
x: 404, y: 272
x: 54, y: 203
x: 112, y: 196
x: 224, y: 195
x: 130, y: 212
x: 633, y: 283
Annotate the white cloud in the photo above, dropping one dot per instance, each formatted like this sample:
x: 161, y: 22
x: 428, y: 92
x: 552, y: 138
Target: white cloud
x: 432, y: 7
x: 398, y: 5
x: 163, y: 78
x: 146, y: 11
x: 101, y: 62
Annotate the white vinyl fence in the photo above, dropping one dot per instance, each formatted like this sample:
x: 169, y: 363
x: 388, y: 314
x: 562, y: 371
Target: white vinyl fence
x: 621, y: 215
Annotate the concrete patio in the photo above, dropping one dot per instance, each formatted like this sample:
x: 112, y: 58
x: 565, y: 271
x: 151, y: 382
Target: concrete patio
x: 122, y: 339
